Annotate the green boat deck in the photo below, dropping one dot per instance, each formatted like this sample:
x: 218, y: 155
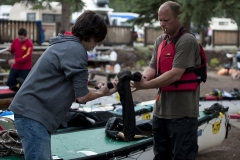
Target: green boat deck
x: 83, y: 143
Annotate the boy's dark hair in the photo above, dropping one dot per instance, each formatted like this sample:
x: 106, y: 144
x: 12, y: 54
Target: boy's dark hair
x: 22, y: 32
x: 90, y: 25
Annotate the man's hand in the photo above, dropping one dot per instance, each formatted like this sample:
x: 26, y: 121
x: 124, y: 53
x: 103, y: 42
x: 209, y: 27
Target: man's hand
x: 138, y: 85
x: 102, y: 87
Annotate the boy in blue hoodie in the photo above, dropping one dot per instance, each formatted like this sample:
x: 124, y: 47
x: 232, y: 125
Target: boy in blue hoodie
x: 58, y: 78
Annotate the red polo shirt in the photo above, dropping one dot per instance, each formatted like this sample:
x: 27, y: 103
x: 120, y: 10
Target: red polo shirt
x: 22, y: 54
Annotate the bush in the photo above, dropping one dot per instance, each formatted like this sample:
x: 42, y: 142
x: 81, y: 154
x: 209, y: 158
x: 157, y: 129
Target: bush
x: 214, y: 62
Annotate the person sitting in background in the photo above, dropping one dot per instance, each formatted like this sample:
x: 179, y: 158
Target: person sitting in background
x: 21, y: 65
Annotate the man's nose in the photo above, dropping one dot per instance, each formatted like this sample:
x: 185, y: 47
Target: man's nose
x: 162, y: 24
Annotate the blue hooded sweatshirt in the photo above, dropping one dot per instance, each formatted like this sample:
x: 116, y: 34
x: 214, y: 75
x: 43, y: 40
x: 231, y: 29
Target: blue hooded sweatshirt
x: 58, y: 77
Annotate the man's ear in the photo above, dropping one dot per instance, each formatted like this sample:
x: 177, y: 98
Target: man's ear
x: 179, y: 17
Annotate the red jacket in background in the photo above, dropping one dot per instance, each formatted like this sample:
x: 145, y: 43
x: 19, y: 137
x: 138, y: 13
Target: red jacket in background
x: 22, y: 54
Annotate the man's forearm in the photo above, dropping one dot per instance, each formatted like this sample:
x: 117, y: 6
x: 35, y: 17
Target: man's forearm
x: 149, y: 73
x: 166, y: 78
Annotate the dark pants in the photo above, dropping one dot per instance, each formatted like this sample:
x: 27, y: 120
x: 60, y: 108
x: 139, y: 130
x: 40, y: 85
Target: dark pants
x: 14, y: 75
x: 209, y: 40
x: 175, y: 139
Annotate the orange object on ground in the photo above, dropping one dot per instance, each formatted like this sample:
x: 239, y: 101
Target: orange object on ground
x: 223, y: 71
x: 4, y: 103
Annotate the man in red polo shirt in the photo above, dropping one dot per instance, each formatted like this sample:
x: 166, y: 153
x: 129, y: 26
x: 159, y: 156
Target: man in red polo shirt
x: 21, y: 65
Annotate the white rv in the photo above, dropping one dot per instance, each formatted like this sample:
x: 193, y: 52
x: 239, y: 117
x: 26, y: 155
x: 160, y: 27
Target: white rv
x: 120, y: 18
x: 223, y: 24
x: 4, y: 11
x: 49, y: 18
x: 98, y: 6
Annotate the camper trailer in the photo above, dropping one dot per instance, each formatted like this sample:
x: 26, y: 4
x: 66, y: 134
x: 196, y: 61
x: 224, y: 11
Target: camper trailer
x: 121, y: 18
x: 49, y: 18
x: 223, y: 24
x: 4, y: 11
x: 98, y: 6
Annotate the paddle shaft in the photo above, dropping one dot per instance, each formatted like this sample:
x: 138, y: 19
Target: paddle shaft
x: 3, y: 50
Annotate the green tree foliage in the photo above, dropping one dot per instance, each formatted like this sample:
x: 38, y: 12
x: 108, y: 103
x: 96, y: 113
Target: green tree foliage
x: 7, y: 2
x: 147, y: 10
x: 230, y: 9
x: 199, y: 12
x: 121, y: 5
x: 68, y: 6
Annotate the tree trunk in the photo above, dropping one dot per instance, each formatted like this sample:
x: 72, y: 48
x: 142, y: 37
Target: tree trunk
x: 65, y: 17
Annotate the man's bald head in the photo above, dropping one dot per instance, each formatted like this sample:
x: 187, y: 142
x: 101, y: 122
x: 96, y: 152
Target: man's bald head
x: 175, y: 7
